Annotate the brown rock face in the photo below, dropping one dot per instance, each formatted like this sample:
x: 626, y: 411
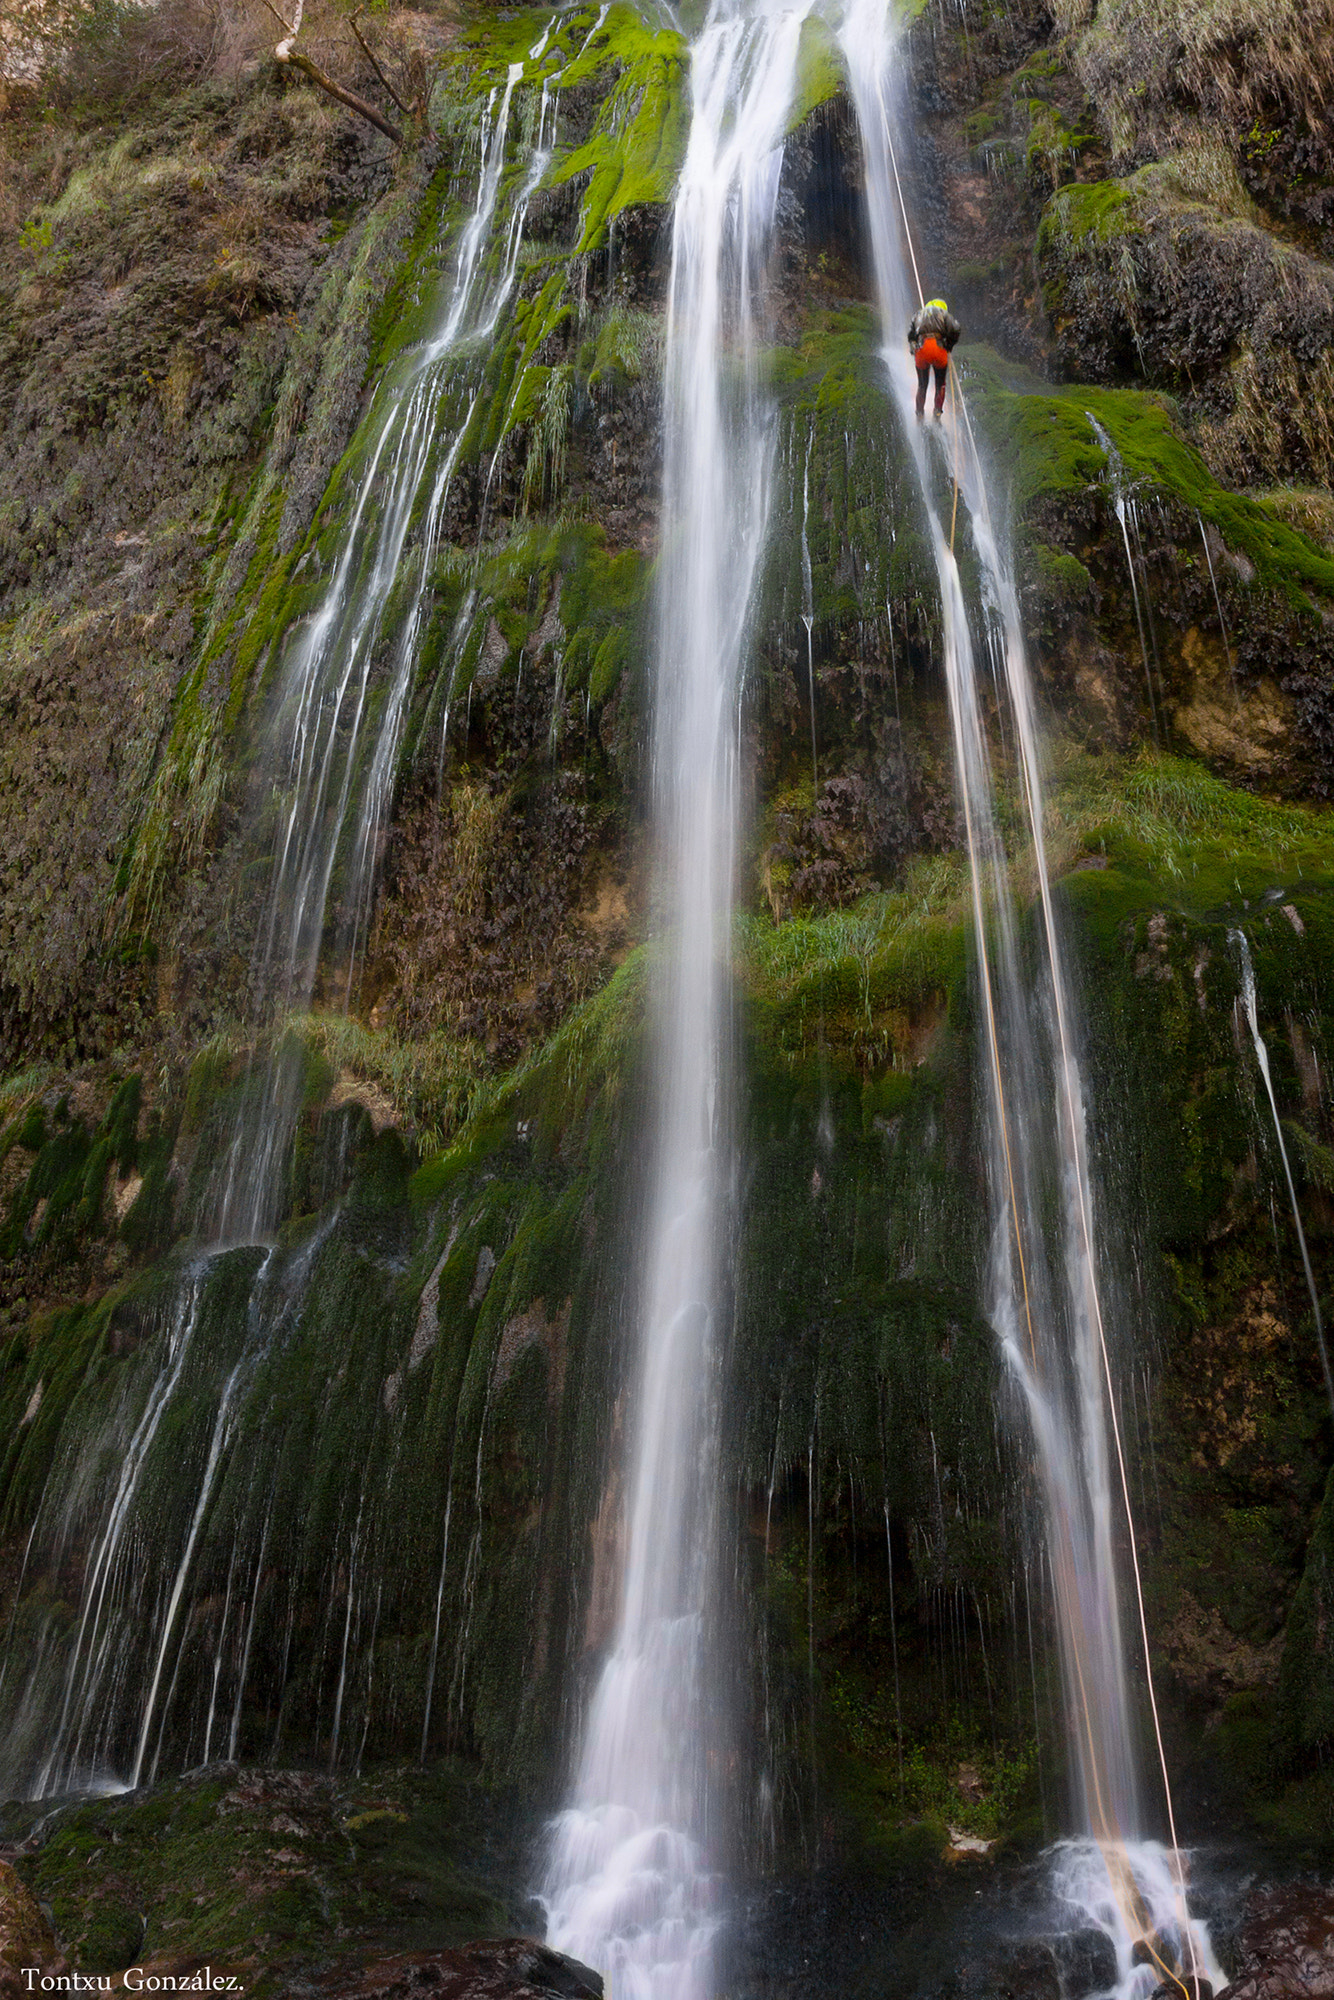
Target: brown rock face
x: 25, y: 1936
x: 513, y: 1969
x: 1287, y: 1947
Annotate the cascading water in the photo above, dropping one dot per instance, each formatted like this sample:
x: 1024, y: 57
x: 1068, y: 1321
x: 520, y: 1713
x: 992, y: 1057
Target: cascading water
x: 628, y: 1886
x: 93, y: 1705
x: 808, y: 615
x: 1123, y: 506
x: 1248, y: 1001
x: 339, y: 715
x: 1043, y: 1288
x: 1218, y: 601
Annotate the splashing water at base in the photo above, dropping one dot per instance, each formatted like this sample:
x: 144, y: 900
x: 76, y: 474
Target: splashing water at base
x: 630, y: 1886
x: 1081, y: 1884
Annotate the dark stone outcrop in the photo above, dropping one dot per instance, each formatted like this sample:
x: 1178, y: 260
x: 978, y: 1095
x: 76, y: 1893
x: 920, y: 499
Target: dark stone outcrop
x: 25, y: 1936
x: 1287, y: 1947
x: 511, y: 1969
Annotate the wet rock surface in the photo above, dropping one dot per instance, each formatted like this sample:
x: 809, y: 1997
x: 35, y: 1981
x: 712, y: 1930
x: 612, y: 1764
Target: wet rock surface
x: 1286, y: 1947
x: 512, y: 1969
x: 281, y: 1877
x: 25, y: 1936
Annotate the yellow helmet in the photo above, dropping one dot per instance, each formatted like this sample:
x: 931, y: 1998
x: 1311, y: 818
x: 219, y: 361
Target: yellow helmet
x: 937, y: 302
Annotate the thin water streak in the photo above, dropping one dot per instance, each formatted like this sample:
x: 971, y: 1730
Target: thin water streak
x: 1248, y: 1001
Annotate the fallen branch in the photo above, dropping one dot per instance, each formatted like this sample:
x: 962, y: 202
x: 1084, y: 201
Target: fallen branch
x: 365, y: 49
x: 348, y: 97
x: 291, y: 58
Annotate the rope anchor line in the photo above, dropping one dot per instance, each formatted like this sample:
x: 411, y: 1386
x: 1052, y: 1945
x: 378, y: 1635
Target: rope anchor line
x: 1136, y: 1915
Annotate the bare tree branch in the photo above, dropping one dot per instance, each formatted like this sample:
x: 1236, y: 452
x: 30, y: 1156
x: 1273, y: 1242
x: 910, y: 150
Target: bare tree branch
x: 292, y: 59
x: 365, y: 48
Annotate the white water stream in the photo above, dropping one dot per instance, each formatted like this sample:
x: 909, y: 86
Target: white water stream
x: 629, y: 1885
x: 1248, y: 1002
x: 343, y: 686
x: 1043, y: 1288
x: 339, y: 712
x: 1123, y: 506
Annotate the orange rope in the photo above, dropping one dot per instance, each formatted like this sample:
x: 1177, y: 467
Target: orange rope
x: 1085, y: 1229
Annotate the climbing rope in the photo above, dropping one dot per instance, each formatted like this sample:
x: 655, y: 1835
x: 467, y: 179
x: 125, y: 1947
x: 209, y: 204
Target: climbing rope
x: 1086, y: 1233
x: 954, y: 455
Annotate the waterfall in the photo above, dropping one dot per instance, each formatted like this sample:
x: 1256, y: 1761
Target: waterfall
x: 628, y: 1885
x: 93, y: 1671
x: 1238, y: 938
x: 1043, y: 1292
x: 1123, y: 506
x: 96, y: 1702
x: 808, y: 616
x: 338, y: 715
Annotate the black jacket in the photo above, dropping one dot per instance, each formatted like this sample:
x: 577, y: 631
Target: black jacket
x: 930, y: 323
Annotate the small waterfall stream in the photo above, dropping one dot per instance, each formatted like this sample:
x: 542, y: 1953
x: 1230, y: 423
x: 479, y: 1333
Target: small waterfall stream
x: 629, y: 1886
x: 339, y: 714
x: 1248, y: 1002
x: 1043, y: 1284
x: 1123, y: 506
x: 93, y: 1708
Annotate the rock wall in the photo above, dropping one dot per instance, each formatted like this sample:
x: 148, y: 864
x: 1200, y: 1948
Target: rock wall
x: 405, y: 1422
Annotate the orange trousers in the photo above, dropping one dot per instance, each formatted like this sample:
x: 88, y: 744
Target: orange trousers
x: 928, y: 356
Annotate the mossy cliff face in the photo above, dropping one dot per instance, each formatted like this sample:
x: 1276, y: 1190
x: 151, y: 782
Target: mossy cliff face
x: 385, y: 1455
x: 412, y: 1528
x: 187, y: 296
x: 1095, y: 188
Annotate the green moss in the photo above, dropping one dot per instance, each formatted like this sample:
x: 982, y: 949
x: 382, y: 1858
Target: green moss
x: 45, y: 1209
x: 31, y: 1133
x: 430, y: 1083
x: 410, y: 301
x: 624, y: 342
x: 638, y: 141
x: 1048, y: 442
x: 855, y: 980
x: 212, y: 1067
x: 1315, y: 1159
x: 120, y: 1125
x: 1174, y: 836
x: 1061, y: 578
x: 198, y: 1869
x: 1052, y: 149
x: 1098, y: 212
x: 819, y: 70
x: 148, y: 1224
x: 846, y: 473
x: 582, y: 1069
x: 1305, y: 1719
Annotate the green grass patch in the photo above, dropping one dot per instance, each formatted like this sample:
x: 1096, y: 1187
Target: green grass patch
x: 1046, y: 441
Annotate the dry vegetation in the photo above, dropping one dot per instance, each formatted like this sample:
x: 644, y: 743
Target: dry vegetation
x: 189, y: 243
x: 86, y: 57
x: 1148, y: 64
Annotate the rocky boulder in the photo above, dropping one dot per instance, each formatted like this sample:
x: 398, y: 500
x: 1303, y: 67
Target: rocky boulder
x: 510, y: 1969
x: 1287, y: 1947
x: 25, y: 1936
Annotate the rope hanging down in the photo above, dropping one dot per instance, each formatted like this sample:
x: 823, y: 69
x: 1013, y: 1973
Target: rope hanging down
x: 1084, y: 1219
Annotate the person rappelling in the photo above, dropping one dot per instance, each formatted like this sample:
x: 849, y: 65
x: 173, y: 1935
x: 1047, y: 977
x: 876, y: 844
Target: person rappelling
x: 932, y: 332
